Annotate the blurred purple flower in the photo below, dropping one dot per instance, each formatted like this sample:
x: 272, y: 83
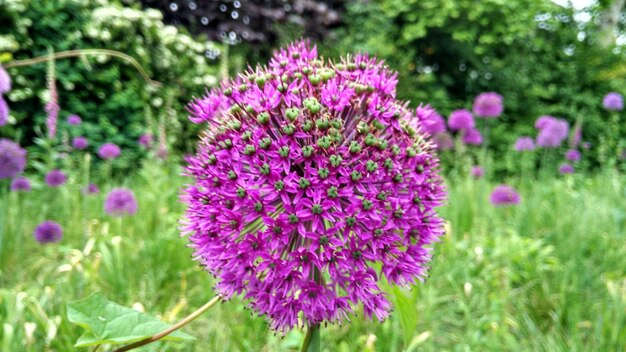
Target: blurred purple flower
x: 566, y: 169
x: 91, y: 188
x: 461, y: 120
x: 5, y: 81
x: 477, y: 171
x: 443, y: 141
x: 524, y: 144
x: 52, y: 107
x: 488, y: 105
x: 613, y: 102
x: 586, y: 145
x: 12, y: 158
x: 472, y: 137
x: 48, y: 232
x: 543, y: 121
x: 109, y: 151
x: 20, y: 184
x: 504, y: 195
x: 572, y: 155
x: 576, y: 135
x: 433, y: 124
x: 56, y: 178
x: 145, y: 140
x: 120, y: 202
x: 74, y: 120
x: 80, y: 142
x: 552, y: 133
x: 4, y: 112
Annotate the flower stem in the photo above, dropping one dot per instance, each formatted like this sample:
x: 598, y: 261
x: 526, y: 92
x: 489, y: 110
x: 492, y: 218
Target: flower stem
x: 311, y: 339
x: 172, y: 328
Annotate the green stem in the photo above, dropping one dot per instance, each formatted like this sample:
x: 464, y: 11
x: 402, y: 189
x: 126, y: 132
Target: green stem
x: 311, y: 341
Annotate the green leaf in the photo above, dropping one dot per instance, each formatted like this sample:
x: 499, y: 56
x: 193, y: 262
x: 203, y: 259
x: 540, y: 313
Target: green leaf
x: 111, y: 323
x: 406, y: 306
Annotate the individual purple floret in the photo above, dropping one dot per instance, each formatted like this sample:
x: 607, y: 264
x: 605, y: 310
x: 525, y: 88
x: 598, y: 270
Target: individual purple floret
x: 461, y: 120
x: 80, y: 143
x: 552, y: 131
x: 5, y: 81
x: 4, y: 112
x: 145, y: 140
x: 431, y: 123
x: 488, y: 105
x: 91, y: 188
x: 12, y: 159
x: 109, y: 151
x: 504, y: 195
x: 566, y: 169
x: 312, y: 187
x: 48, y: 232
x: 20, y: 184
x: 56, y: 178
x: 472, y: 137
x: 613, y: 102
x: 524, y: 144
x: 120, y: 202
x: 572, y: 155
x: 477, y: 171
x: 74, y: 120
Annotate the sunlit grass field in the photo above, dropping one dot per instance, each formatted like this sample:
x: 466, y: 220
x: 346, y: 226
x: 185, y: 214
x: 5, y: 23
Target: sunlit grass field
x: 546, y: 275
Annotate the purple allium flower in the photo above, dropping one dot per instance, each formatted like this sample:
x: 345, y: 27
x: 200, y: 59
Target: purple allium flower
x: 572, y: 155
x: 109, y: 151
x: 56, y: 178
x: 20, y: 184
x: 472, y: 136
x: 12, y: 159
x: 91, y: 188
x: 443, y: 141
x: 298, y: 200
x: 461, y: 120
x: 4, y: 112
x: 543, y: 121
x: 488, y: 105
x: 566, y: 169
x: 74, y: 120
x: 504, y: 195
x: 80, y: 142
x: 524, y: 144
x: 145, y: 140
x: 477, y: 171
x: 613, y: 102
x: 48, y: 232
x: 552, y: 131
x: 120, y: 202
x: 432, y: 124
x: 5, y: 81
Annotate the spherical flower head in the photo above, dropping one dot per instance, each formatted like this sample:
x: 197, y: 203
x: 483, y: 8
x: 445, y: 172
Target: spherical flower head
x: 311, y: 185
x: 80, y: 143
x: 48, y: 232
x: 552, y: 133
x: 4, y: 112
x: 572, y: 155
x: 543, y: 121
x: 20, y: 184
x: 145, y: 140
x: 91, y: 188
x: 56, y: 178
x: 524, y: 144
x: 504, y: 195
x: 120, y: 202
x: 566, y: 169
x: 109, y: 151
x: 74, y: 120
x: 488, y: 105
x: 472, y: 137
x: 12, y: 159
x: 613, y: 102
x: 5, y: 81
x: 461, y: 120
x: 477, y: 171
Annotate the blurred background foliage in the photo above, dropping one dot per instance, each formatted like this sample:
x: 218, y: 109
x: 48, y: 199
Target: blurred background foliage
x: 544, y: 58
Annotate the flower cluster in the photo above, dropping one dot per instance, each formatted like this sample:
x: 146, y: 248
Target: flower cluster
x: 120, y: 202
x: 74, y: 120
x: 460, y: 120
x: 109, y: 151
x: 311, y: 176
x: 20, y: 184
x: 504, y: 195
x: 48, y: 232
x: 12, y: 159
x: 56, y: 178
x: 488, y: 105
x: 613, y: 102
x: 80, y: 143
x: 552, y: 131
x: 524, y: 144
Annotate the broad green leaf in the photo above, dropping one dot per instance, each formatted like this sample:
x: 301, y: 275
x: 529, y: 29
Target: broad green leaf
x: 111, y: 323
x: 406, y: 307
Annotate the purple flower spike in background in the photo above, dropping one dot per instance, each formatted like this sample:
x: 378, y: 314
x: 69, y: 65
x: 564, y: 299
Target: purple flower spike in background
x: 91, y: 188
x: 477, y: 171
x: 56, y: 178
x: 20, y: 184
x: 5, y: 81
x: 566, y: 169
x: 504, y: 195
x: 524, y: 144
x: 145, y: 140
x: 613, y: 102
x: 461, y: 120
x: 572, y: 155
x: 472, y: 137
x: 120, y: 202
x: 552, y: 131
x: 109, y: 151
x: 12, y: 159
x: 4, y: 112
x: 488, y: 105
x: 339, y: 177
x: 48, y: 232
x: 74, y: 120
x: 80, y: 143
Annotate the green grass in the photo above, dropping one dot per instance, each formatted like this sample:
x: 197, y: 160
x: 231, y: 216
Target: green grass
x: 547, y: 275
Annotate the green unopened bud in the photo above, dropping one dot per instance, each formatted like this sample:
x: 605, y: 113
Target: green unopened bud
x: 246, y: 135
x: 378, y: 125
x: 367, y: 204
x: 265, y: 169
x: 362, y: 128
x: 249, y: 150
x: 382, y: 144
x: 332, y: 192
x: 265, y: 143
x: 289, y: 129
x: 258, y: 206
x: 335, y: 160
x: 228, y: 92
x: 355, y: 175
x: 282, y: 87
x: 260, y: 81
x: 324, y: 142
x: 241, y: 192
x: 243, y: 87
x: 263, y: 118
x: 323, y: 173
x: 284, y: 151
x: 235, y: 109
x: 322, y: 124
x: 304, y: 183
x: 279, y: 185
x: 324, y: 240
x: 371, y: 166
x: 351, y: 66
x: 395, y: 149
x: 315, y: 79
x: 212, y: 159
x: 355, y: 147
x: 307, y: 151
x: 293, y: 219
x: 316, y: 209
x: 307, y: 126
x: 232, y: 175
x: 292, y: 114
x: 350, y: 221
x: 381, y: 196
x: 398, y: 178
